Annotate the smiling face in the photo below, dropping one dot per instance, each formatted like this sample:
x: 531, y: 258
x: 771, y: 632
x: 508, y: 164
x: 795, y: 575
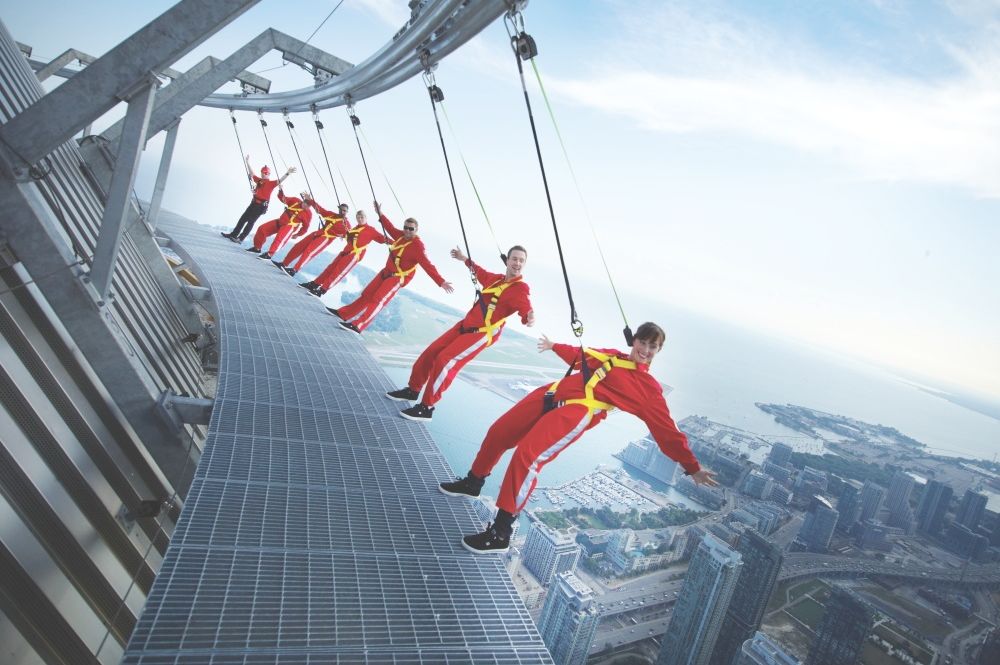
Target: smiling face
x: 516, y: 259
x: 643, y: 351
x: 648, y: 341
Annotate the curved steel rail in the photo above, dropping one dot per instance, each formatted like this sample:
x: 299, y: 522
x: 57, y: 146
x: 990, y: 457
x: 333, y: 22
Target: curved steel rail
x: 438, y: 30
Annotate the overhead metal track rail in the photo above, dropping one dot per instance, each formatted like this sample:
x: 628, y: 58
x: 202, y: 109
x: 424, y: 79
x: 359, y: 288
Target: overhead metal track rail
x: 437, y: 30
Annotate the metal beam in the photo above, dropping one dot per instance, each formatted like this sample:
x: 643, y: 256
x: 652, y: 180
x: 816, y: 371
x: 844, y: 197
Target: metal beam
x: 303, y: 54
x: 404, y: 47
x: 197, y: 83
x: 161, y: 175
x: 132, y: 142
x: 58, y: 63
x: 56, y: 117
x: 211, y: 74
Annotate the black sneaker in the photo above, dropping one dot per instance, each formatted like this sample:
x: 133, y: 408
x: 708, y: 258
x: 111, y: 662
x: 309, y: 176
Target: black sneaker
x: 333, y: 312
x: 291, y: 271
x: 488, y: 542
x: 226, y: 236
x: 309, y: 286
x: 349, y: 327
x: 264, y: 256
x: 319, y: 291
x: 278, y: 264
x: 418, y: 412
x: 235, y: 239
x: 252, y: 249
x: 469, y: 486
x: 406, y: 394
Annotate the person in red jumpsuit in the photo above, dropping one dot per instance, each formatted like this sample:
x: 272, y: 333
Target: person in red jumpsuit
x: 357, y: 239
x: 551, y: 418
x: 405, y: 253
x: 439, y: 364
x: 262, y: 188
x: 332, y: 225
x: 294, y: 222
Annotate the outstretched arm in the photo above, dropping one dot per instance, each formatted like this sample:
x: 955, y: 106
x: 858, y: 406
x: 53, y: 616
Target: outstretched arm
x: 290, y: 171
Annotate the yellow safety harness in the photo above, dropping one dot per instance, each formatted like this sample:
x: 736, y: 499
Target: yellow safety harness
x: 329, y: 223
x: 295, y: 209
x: 609, y: 362
x: 352, y: 239
x: 488, y: 327
x: 396, y: 257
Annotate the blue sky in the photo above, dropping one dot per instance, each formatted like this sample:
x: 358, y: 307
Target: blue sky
x: 823, y: 172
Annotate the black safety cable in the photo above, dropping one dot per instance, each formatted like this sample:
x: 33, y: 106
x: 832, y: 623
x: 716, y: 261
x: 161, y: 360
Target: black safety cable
x: 263, y: 128
x: 355, y: 122
x: 627, y: 331
x: 524, y: 47
x: 239, y: 144
x: 319, y: 126
x: 437, y: 96
x: 291, y: 135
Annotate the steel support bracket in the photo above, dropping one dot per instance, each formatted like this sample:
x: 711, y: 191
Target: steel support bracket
x: 178, y: 410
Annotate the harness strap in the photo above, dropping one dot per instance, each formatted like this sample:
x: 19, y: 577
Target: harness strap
x: 352, y: 239
x: 397, y: 256
x: 608, y: 362
x: 489, y: 327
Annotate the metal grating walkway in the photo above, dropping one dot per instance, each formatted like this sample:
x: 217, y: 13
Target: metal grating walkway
x: 314, y: 531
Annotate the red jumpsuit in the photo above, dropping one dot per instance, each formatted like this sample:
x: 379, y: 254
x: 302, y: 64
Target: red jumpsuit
x: 404, y: 257
x: 332, y: 226
x: 540, y: 436
x: 441, y: 362
x: 296, y: 214
x: 357, y: 244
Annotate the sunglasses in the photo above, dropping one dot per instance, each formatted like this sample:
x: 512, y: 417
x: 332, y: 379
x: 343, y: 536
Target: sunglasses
x: 409, y: 228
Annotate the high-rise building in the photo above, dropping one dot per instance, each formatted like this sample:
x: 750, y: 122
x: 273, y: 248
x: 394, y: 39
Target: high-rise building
x: 971, y: 509
x: 849, y: 506
x: 620, y: 544
x: 782, y: 474
x: 965, y: 542
x: 900, y: 488
x: 702, y: 604
x: 780, y: 454
x: 754, y: 586
x: 569, y: 620
x: 846, y: 623
x: 872, y: 496
x: 757, y: 485
x: 762, y: 650
x: 548, y: 552
x: 780, y: 495
x: 817, y: 529
x: 933, y: 506
x: 645, y: 455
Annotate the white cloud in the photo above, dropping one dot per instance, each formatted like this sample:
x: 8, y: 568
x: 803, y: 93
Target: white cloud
x: 708, y: 74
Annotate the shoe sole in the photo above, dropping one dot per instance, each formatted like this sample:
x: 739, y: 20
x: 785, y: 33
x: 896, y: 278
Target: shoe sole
x: 469, y: 496
x: 329, y: 312
x: 400, y: 399
x: 419, y: 419
x: 348, y: 330
x: 475, y: 551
